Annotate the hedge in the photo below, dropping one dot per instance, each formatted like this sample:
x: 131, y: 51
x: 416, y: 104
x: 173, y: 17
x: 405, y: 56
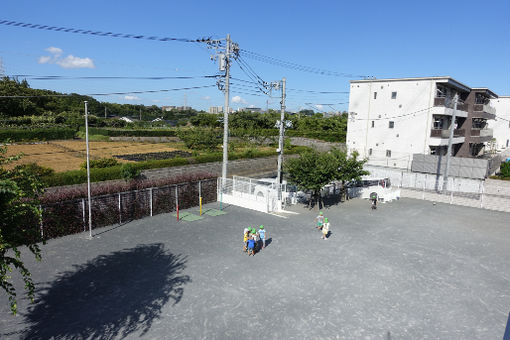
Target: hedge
x: 18, y: 135
x: 114, y: 172
x: 131, y: 133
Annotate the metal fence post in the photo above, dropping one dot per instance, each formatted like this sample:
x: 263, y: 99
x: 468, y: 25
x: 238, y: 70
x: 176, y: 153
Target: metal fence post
x: 423, y: 186
x: 120, y: 210
x: 481, y: 194
x: 41, y: 221
x: 150, y: 198
x: 177, y: 202
x: 83, y: 214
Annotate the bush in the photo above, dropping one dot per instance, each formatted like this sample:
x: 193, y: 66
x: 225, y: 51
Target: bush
x: 18, y: 135
x: 129, y: 172
x: 505, y: 169
x: 200, y: 139
x: 100, y: 163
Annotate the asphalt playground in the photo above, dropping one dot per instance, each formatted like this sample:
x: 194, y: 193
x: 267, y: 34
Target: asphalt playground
x: 409, y: 270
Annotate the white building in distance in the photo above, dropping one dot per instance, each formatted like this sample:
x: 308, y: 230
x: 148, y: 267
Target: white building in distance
x: 501, y: 125
x: 392, y: 119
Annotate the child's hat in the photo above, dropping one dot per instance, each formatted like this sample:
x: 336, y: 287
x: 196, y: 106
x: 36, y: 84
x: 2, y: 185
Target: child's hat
x: 326, y: 219
x: 246, y: 230
x: 261, y: 227
x: 320, y: 212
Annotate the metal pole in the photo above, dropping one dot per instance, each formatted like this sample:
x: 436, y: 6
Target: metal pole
x: 41, y: 221
x: 280, y: 142
x: 88, y: 168
x: 200, y: 196
x: 150, y: 198
x: 450, y: 140
x: 177, y: 202
x: 225, y: 116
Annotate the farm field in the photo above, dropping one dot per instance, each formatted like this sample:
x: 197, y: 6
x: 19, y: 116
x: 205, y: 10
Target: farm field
x: 70, y: 154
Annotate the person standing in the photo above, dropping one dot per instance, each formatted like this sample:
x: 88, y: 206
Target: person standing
x: 262, y: 235
x: 320, y: 220
x: 325, y: 229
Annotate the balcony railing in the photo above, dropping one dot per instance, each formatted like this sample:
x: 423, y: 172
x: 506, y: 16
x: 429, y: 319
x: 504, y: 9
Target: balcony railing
x: 482, y: 133
x: 484, y: 108
x: 435, y: 133
x: 448, y: 102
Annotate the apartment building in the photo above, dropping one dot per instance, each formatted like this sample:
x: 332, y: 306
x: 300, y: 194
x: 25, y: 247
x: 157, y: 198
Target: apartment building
x: 392, y: 119
x: 501, y: 125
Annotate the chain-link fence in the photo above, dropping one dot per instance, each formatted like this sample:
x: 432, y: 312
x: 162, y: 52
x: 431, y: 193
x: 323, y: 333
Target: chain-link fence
x: 70, y: 217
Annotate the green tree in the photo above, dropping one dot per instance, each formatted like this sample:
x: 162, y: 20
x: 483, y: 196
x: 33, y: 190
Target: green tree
x: 311, y: 172
x: 129, y: 172
x: 20, y: 217
x: 348, y: 168
x: 200, y: 138
x: 505, y: 169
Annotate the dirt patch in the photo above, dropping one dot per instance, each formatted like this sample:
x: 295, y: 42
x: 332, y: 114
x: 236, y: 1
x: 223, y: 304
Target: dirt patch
x: 138, y: 157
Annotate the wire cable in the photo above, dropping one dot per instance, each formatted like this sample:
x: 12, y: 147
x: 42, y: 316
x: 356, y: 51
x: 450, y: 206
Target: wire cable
x: 114, y: 93
x: 105, y: 34
x: 54, y: 77
x: 295, y: 66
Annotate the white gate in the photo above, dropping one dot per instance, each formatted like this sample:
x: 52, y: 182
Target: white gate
x: 249, y: 193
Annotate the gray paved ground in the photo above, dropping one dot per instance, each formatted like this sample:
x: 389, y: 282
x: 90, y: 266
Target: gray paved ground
x: 409, y: 269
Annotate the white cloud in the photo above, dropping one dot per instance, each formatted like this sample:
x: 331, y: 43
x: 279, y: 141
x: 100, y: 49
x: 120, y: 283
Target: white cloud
x: 75, y: 62
x: 65, y: 62
x: 238, y: 99
x: 55, y: 51
x: 44, y: 59
x: 206, y: 98
x: 131, y: 98
x: 319, y: 106
x: 156, y: 100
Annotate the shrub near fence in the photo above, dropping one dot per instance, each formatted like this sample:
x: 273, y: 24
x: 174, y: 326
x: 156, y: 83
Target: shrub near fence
x: 71, y: 216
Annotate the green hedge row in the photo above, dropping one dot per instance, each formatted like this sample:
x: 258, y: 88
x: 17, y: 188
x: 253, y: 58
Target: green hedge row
x: 131, y: 133
x: 104, y: 174
x: 19, y: 135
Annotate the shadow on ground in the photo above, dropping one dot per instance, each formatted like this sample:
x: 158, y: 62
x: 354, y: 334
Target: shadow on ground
x: 109, y: 297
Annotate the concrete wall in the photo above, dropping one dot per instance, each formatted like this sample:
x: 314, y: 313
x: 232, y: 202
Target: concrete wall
x: 410, y: 132
x: 500, y: 126
x: 459, y: 167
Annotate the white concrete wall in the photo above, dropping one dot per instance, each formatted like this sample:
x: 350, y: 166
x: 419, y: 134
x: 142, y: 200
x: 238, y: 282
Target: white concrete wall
x: 411, y: 132
x: 501, y: 127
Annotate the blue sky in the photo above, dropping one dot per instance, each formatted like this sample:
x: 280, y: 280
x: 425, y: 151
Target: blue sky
x: 468, y: 40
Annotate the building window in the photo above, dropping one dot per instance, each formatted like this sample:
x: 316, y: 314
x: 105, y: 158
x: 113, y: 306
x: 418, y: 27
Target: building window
x: 391, y: 125
x: 375, y: 95
x: 394, y: 95
x: 388, y: 153
x: 370, y: 152
x: 373, y: 123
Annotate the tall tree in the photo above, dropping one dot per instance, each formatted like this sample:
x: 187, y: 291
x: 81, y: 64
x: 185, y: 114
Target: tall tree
x: 19, y: 220
x: 349, y: 168
x: 311, y: 172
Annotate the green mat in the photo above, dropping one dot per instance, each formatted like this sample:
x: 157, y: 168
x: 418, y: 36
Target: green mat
x: 214, y: 212
x: 187, y: 216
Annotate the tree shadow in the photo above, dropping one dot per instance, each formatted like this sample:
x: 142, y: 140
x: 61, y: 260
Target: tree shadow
x: 111, y: 296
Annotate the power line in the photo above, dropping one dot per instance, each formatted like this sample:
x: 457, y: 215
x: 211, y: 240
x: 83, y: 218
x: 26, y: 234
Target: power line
x: 295, y: 66
x: 54, y: 77
x: 114, y: 93
x: 207, y: 40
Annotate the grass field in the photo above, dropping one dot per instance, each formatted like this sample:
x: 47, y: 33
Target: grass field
x: 70, y: 154
x: 67, y: 155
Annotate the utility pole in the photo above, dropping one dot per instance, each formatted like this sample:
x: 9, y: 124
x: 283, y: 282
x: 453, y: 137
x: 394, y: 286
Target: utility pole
x: 105, y: 111
x: 140, y: 108
x: 88, y: 168
x: 280, y: 142
x: 225, y: 115
x: 450, y: 140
